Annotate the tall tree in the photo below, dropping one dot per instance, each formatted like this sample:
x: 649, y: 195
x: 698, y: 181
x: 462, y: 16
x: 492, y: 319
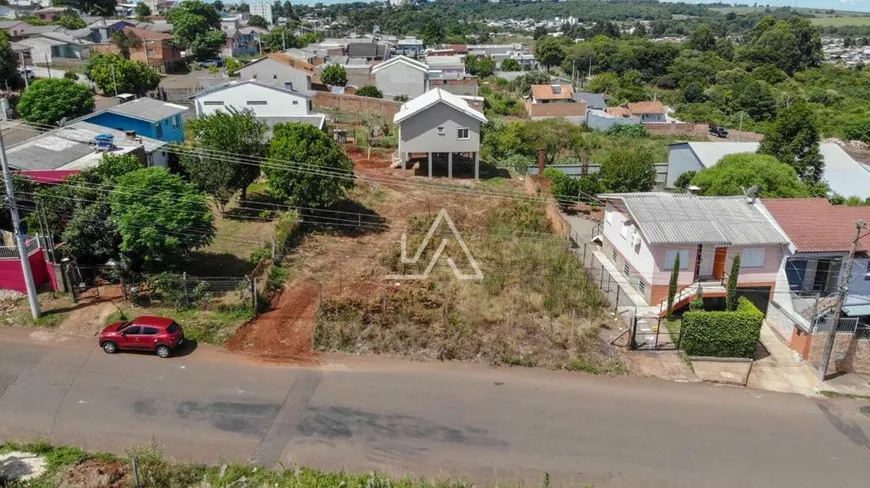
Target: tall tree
x: 160, y: 229
x: 257, y: 21
x: 101, y: 8
x: 672, y: 286
x: 279, y: 38
x: 540, y: 33
x: 238, y: 133
x: 298, y: 157
x: 702, y: 39
x: 8, y: 62
x: 334, y: 74
x: 47, y: 101
x: 432, y: 33
x: 126, y: 76
x: 628, y: 170
x: 196, y: 25
x: 126, y: 40
x: 142, y: 11
x: 735, y: 172
x: 550, y: 51
x: 794, y: 140
x: 731, y: 288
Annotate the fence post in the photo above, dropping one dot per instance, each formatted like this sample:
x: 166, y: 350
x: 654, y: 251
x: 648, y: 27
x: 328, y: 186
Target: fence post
x: 658, y: 329
x: 184, y: 285
x: 254, y: 293
x: 135, y: 473
x: 618, y: 289
x: 632, y: 330
x: 68, y: 279
x: 601, y: 278
x: 584, y: 253
x: 608, y: 283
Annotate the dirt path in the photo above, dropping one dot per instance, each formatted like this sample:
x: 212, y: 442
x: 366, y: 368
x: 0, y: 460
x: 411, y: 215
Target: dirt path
x: 286, y: 331
x: 89, y: 316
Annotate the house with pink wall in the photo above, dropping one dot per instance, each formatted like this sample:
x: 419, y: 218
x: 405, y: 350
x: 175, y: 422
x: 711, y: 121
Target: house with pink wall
x: 644, y: 233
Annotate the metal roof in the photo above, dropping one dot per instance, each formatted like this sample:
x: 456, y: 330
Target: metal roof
x: 147, y: 109
x: 433, y: 97
x: 670, y: 218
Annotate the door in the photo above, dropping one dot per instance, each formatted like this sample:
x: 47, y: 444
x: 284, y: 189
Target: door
x: 719, y: 262
x: 132, y: 338
x: 149, y: 338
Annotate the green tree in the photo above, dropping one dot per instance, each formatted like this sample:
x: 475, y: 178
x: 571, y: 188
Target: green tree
x: 47, y: 101
x: 523, y: 84
x: 100, y: 8
x: 128, y: 76
x: 628, y: 170
x: 218, y: 6
x: 69, y: 20
x: 553, y: 135
x: 160, y: 217
x: 233, y: 65
x: 432, y: 33
x: 725, y: 49
x: 550, y: 51
x: 334, y: 74
x: 238, y: 133
x: 142, y: 11
x: 756, y: 98
x: 511, y: 65
x: 258, y: 21
x: 125, y: 40
x: 693, y: 93
x: 684, y: 180
x: 672, y: 286
x: 196, y: 25
x: 736, y: 172
x: 638, y: 30
x: 539, y: 33
x: 794, y: 140
x: 370, y: 91
x: 280, y: 38
x: 731, y: 288
x: 71, y: 75
x: 697, y: 303
x: 298, y: 156
x: 8, y: 62
x: 702, y: 39
x: 793, y: 45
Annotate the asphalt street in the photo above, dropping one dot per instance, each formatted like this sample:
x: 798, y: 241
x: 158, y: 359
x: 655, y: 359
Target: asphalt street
x: 434, y: 419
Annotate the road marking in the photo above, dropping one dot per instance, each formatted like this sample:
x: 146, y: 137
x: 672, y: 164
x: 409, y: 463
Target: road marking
x: 271, y: 449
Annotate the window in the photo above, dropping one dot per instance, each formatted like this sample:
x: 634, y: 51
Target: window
x: 213, y: 102
x: 149, y: 52
x: 173, y: 328
x: 295, y: 102
x: 440, y: 131
x: 149, y: 331
x: 671, y: 256
x: 625, y: 269
x: 608, y: 217
x: 625, y: 232
x: 134, y: 330
x: 613, y: 256
x: 462, y: 134
x: 175, y: 122
x: 159, y: 131
x: 752, y: 258
x: 257, y: 102
x: 641, y: 287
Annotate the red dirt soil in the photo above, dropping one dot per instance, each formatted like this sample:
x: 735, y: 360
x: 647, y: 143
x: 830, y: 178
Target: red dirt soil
x: 96, y: 474
x: 286, y: 331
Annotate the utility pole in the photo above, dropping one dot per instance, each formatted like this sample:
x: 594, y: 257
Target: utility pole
x: 26, y: 76
x: 841, y: 298
x: 20, y: 238
x: 48, y: 65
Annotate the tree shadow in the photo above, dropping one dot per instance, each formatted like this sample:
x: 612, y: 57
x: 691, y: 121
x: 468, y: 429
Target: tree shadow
x: 256, y: 205
x: 204, y: 263
x: 346, y: 217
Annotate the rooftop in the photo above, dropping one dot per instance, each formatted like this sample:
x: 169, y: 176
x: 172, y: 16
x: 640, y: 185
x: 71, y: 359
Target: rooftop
x: 671, y: 218
x: 433, y: 97
x: 552, y: 92
x: 593, y: 100
x: 814, y: 225
x: 147, y: 109
x: 149, y: 35
x: 653, y: 107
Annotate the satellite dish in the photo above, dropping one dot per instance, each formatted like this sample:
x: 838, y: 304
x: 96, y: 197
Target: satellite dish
x: 752, y: 193
x: 62, y: 122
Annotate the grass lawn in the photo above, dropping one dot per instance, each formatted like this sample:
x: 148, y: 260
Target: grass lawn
x: 54, y: 307
x: 860, y: 21
x: 673, y: 327
x: 214, y: 326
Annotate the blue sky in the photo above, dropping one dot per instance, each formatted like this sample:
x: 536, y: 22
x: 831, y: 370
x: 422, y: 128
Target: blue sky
x: 862, y: 5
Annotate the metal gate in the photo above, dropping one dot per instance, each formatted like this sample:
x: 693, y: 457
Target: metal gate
x: 652, y: 334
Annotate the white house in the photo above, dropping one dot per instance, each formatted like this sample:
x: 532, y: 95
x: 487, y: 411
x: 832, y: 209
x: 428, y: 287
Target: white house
x: 271, y: 104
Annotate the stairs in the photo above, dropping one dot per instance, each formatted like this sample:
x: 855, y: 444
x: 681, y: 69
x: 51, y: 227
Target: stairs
x: 688, y: 293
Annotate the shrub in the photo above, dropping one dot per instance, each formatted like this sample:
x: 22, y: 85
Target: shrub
x: 519, y: 163
x: 370, y: 91
x: 722, y: 334
x: 71, y: 75
x: 286, y: 230
x: 633, y: 131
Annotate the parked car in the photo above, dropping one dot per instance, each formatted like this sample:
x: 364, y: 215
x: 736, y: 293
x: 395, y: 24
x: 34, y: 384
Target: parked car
x: 217, y: 62
x: 719, y: 131
x: 159, y: 335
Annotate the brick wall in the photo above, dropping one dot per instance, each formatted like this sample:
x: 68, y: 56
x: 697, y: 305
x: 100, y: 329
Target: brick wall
x: 356, y: 105
x: 854, y: 352
x: 555, y: 109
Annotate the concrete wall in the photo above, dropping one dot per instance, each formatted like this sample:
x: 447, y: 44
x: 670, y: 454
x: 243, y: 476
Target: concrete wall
x: 401, y: 79
x: 419, y: 133
x: 12, y: 278
x: 278, y: 103
x: 680, y: 160
x: 271, y: 71
x: 599, y: 122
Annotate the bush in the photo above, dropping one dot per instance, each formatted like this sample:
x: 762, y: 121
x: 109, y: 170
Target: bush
x: 370, y: 91
x: 633, y: 131
x: 286, y: 230
x: 722, y: 334
x: 71, y: 75
x: 519, y: 163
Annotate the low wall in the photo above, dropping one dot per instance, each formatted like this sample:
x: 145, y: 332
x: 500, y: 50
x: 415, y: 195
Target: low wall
x: 850, y: 355
x: 730, y: 371
x: 355, y: 104
x: 12, y: 278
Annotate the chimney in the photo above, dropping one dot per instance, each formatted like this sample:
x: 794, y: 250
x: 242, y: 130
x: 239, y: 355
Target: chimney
x: 542, y: 161
x: 131, y: 135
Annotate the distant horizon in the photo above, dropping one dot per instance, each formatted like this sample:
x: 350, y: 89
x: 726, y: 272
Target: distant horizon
x: 849, y: 5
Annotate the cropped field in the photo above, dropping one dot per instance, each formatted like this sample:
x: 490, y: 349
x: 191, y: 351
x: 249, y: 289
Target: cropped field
x: 861, y: 21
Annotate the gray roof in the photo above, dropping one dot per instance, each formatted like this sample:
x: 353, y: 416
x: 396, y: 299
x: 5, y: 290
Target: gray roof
x: 671, y: 218
x: 6, y: 24
x: 593, y: 100
x: 147, y: 109
x: 60, y: 147
x: 367, y: 50
x: 32, y: 30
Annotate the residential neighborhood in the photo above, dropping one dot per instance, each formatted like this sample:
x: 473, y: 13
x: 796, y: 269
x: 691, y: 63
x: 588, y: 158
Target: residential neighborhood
x: 569, y: 243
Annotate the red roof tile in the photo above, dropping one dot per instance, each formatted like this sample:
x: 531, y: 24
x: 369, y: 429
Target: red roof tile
x: 814, y: 225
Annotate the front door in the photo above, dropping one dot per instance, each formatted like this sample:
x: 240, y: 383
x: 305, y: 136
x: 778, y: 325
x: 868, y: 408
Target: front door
x: 719, y: 262
x: 132, y: 338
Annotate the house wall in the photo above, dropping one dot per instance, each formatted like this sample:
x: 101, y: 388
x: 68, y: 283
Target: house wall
x: 39, y: 53
x: 653, y: 118
x: 419, y: 133
x: 681, y: 159
x: 599, y: 122
x: 171, y: 132
x: 853, y: 355
x: 401, y: 79
x: 639, y: 258
x: 271, y: 71
x: 278, y: 103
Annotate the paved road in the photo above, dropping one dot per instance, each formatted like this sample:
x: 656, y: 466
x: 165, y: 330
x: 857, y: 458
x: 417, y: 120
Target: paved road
x: 429, y: 419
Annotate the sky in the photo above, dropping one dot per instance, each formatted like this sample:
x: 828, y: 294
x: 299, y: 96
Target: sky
x: 860, y: 5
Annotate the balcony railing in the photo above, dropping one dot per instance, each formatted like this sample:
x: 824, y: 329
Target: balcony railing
x: 12, y: 252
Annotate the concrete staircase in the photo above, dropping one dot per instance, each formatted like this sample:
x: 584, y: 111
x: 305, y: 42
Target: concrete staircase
x: 688, y: 293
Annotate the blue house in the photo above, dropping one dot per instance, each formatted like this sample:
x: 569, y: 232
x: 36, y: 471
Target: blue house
x: 145, y: 116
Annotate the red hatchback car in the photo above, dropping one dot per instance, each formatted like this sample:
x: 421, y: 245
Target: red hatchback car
x: 155, y: 334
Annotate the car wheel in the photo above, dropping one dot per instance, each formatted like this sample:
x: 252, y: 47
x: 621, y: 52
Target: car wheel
x: 110, y: 347
x: 162, y: 351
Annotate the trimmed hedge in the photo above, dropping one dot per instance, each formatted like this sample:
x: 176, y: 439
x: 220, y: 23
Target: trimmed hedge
x: 722, y: 334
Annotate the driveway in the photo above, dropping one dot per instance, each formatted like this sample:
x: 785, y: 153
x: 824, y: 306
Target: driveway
x: 407, y: 417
